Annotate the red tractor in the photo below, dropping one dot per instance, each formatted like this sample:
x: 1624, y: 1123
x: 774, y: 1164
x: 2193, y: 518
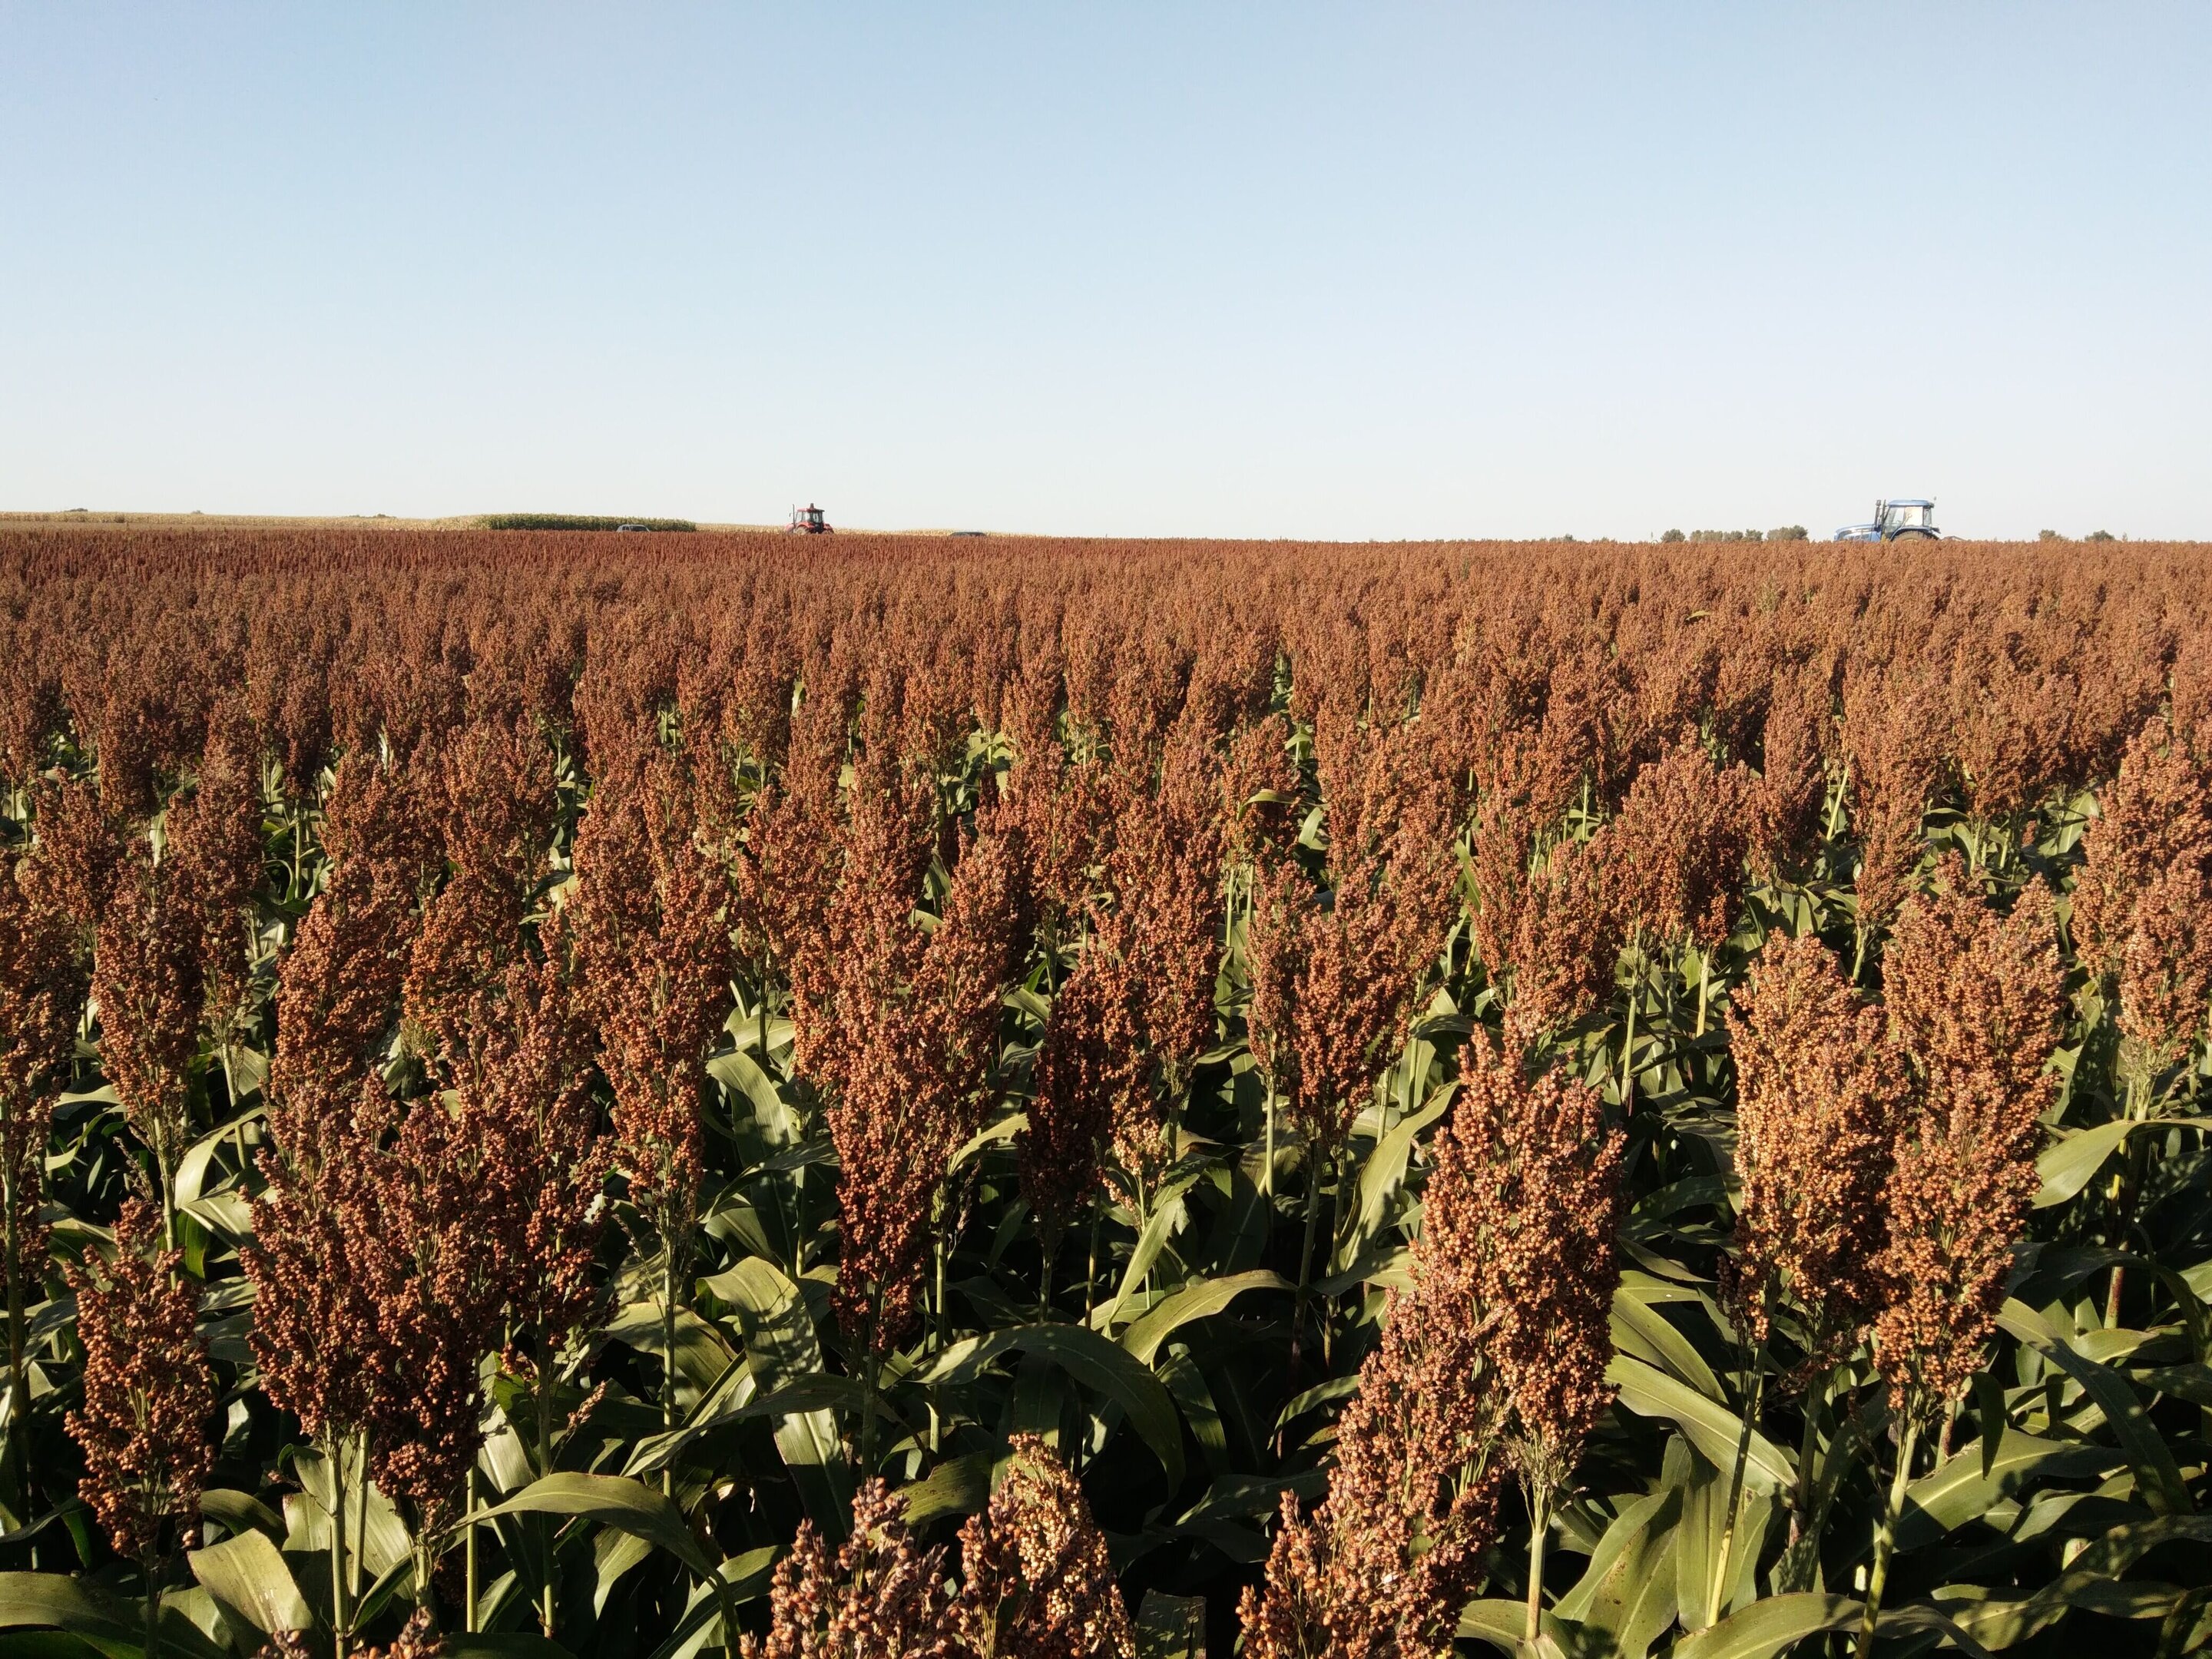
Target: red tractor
x: 808, y: 521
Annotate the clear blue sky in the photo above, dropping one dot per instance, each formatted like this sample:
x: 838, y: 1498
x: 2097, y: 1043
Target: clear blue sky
x: 1346, y: 270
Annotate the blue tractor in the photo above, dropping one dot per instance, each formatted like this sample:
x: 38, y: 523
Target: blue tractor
x: 1895, y: 521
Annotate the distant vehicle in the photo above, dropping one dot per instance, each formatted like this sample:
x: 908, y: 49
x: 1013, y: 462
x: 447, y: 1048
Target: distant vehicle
x: 808, y: 521
x: 1895, y: 521
x: 620, y: 527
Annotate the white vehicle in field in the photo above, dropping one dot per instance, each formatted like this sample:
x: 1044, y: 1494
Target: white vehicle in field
x: 1895, y: 521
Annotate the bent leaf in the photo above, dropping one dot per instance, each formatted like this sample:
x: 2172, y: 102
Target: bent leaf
x: 1196, y: 1301
x: 611, y: 1500
x: 2069, y: 1166
x: 1770, y: 1627
x: 1385, y: 1169
x: 990, y: 1135
x: 1167, y: 1217
x: 1999, y: 1621
x: 2157, y: 1475
x: 1961, y: 1490
x: 1501, y: 1623
x: 249, y: 1574
x: 743, y: 1578
x: 50, y: 1601
x: 2073, y: 1163
x: 782, y: 1351
x: 190, y: 1179
x: 1627, y: 1594
x: 240, y: 1511
x: 1712, y: 1428
x: 1639, y: 1329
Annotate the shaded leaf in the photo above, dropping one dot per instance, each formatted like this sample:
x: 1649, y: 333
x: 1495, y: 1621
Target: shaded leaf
x: 1092, y: 1360
x: 241, y: 1512
x: 959, y: 1486
x: 2157, y: 1475
x: 499, y: 1644
x: 1170, y: 1626
x: 783, y: 1352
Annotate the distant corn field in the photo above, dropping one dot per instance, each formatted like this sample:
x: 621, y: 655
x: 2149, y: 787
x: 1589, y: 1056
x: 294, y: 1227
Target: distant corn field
x: 879, y: 1096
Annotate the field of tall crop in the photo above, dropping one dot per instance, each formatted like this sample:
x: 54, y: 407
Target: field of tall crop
x: 644, y: 1096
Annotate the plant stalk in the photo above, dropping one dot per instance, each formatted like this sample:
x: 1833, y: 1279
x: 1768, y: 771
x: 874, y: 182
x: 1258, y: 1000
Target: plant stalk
x: 2131, y: 1185
x: 1090, y: 1271
x: 19, y: 1393
x: 871, y: 1365
x: 1305, y: 1269
x: 340, y: 1616
x: 542, y: 1400
x: 152, y: 1607
x: 668, y: 1358
x: 1267, y: 1169
x: 1540, y: 1528
x: 1878, y: 1577
x: 1809, y: 1447
x: 1627, y: 1055
x: 469, y: 1554
x: 1757, y: 1391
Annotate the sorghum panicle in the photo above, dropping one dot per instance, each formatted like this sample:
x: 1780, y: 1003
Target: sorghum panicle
x: 1335, y: 983
x: 1792, y: 786
x: 147, y: 981
x: 1818, y: 1092
x: 652, y: 951
x: 1974, y: 1004
x: 338, y: 991
x: 1038, y: 1582
x: 1677, y: 847
x: 42, y: 985
x: 2155, y: 817
x: 915, y: 1081
x: 1543, y: 1200
x: 2166, y: 970
x: 1088, y: 1067
x: 879, y: 1596
x: 149, y: 1392
x: 1893, y: 729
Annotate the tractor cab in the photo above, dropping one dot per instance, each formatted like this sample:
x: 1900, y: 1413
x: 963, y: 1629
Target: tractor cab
x: 1894, y: 520
x: 808, y: 521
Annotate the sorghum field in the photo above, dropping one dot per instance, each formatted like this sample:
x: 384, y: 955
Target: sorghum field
x: 640, y: 1096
